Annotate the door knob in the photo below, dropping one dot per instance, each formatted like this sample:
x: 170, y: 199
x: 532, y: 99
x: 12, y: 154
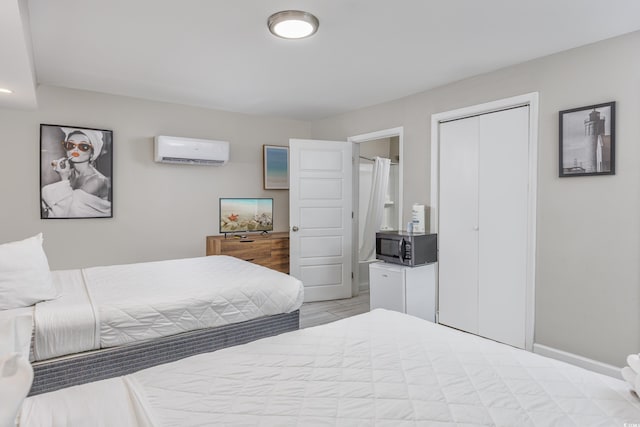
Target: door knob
x: 295, y: 228
x: 476, y: 228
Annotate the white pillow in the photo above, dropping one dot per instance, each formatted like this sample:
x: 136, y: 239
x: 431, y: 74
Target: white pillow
x: 25, y: 278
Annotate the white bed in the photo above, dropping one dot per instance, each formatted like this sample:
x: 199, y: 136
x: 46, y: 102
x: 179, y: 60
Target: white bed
x: 114, y: 320
x: 104, y: 307
x: 383, y: 368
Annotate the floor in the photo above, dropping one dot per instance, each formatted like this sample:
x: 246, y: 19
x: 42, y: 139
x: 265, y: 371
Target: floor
x: 321, y: 312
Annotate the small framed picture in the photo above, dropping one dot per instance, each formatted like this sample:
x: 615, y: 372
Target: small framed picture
x: 276, y: 167
x: 76, y: 168
x: 587, y: 140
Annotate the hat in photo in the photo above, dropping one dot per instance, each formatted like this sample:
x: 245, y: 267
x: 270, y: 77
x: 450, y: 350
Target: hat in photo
x: 94, y: 136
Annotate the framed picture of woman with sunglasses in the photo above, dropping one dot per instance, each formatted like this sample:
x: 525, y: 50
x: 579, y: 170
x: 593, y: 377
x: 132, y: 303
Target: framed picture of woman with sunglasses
x: 76, y: 166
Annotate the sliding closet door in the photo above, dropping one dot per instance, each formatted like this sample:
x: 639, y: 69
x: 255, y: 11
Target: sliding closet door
x: 482, y: 232
x: 503, y: 171
x: 457, y: 231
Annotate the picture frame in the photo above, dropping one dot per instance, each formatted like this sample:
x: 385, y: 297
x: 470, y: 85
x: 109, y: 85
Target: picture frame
x: 587, y: 140
x: 276, y: 167
x: 76, y: 172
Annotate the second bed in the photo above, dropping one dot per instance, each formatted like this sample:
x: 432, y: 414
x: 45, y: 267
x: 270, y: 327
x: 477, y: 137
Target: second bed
x: 113, y: 320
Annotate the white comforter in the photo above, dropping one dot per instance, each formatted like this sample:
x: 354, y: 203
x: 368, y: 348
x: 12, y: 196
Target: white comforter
x: 382, y: 368
x: 103, y: 307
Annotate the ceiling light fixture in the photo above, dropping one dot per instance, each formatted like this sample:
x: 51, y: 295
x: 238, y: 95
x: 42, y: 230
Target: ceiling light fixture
x: 293, y: 24
x: 3, y: 90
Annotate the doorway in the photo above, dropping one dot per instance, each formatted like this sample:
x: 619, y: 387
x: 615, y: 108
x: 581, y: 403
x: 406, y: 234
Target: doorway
x: 385, y: 214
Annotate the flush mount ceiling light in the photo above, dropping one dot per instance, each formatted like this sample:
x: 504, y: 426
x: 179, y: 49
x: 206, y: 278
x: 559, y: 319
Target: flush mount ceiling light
x: 293, y: 24
x: 3, y: 90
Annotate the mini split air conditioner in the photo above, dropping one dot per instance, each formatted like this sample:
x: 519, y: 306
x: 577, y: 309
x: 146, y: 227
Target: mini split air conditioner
x: 191, y: 151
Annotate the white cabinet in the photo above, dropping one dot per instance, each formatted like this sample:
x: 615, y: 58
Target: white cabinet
x: 410, y: 290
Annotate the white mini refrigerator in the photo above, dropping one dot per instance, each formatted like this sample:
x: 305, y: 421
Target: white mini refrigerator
x: 410, y: 290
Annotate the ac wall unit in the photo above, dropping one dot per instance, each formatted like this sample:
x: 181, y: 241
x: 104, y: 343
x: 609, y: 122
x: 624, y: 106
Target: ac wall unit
x: 191, y: 151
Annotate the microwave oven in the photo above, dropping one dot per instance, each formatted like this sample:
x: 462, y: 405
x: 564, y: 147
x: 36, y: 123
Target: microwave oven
x: 405, y: 248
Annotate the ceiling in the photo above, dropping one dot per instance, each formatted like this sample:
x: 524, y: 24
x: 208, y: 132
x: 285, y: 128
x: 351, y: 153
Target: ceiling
x: 219, y: 53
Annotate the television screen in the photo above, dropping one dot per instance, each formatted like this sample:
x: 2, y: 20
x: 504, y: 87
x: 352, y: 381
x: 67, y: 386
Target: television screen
x: 242, y: 215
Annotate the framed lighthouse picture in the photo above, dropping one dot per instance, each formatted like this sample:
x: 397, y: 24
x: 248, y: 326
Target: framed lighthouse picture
x: 587, y: 140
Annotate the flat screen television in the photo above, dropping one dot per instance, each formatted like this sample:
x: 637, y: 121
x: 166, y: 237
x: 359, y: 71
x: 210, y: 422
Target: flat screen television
x: 238, y: 215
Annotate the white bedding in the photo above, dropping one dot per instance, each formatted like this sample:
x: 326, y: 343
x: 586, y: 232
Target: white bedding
x: 107, y: 403
x: 103, y: 307
x: 66, y: 324
x: 383, y: 368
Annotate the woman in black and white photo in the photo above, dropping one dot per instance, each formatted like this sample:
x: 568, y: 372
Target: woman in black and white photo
x: 81, y: 190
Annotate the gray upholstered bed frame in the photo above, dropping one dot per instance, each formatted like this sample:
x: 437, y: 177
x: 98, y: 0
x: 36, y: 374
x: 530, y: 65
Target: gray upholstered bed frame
x: 54, y: 374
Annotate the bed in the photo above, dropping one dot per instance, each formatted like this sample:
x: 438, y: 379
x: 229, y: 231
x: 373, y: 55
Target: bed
x: 383, y: 368
x: 113, y: 320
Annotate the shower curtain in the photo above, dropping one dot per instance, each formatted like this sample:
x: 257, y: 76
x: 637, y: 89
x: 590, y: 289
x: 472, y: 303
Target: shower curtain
x: 373, y: 220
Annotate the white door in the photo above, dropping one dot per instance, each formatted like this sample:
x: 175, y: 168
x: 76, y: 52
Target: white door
x: 458, y: 228
x: 483, y: 214
x: 503, y: 176
x: 320, y: 217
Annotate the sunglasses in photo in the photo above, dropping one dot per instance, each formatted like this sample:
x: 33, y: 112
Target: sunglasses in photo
x: 82, y: 146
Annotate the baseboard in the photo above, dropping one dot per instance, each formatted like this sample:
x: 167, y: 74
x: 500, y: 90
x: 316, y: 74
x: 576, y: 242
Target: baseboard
x: 574, y: 359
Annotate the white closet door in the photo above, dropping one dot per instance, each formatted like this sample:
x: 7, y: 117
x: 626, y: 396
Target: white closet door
x: 458, y: 222
x: 502, y: 212
x: 484, y: 170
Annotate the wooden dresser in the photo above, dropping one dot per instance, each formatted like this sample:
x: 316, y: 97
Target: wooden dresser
x: 270, y: 250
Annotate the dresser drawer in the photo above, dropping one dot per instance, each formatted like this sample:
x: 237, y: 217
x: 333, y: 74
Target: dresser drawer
x: 247, y: 250
x: 277, y: 264
x: 270, y: 251
x: 280, y: 244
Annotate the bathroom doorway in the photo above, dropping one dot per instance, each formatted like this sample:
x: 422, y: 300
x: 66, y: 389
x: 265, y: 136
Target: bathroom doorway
x: 377, y: 192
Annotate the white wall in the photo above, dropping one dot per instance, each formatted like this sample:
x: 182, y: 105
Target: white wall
x: 160, y: 211
x: 588, y: 236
